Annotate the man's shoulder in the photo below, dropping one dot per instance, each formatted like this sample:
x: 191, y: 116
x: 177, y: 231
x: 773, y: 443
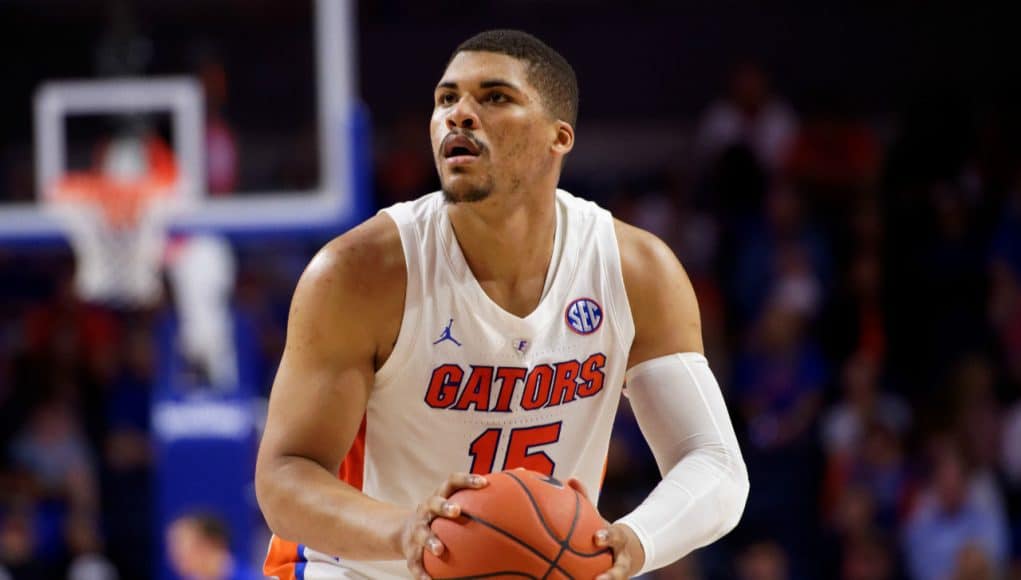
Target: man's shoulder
x: 642, y: 254
x: 661, y: 297
x: 367, y: 260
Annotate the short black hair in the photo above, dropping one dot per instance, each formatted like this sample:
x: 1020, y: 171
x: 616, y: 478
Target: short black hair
x: 548, y: 71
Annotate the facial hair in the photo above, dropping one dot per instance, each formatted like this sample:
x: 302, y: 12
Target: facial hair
x: 474, y: 194
x: 469, y: 192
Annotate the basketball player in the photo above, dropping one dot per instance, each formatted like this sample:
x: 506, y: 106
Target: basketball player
x: 489, y: 326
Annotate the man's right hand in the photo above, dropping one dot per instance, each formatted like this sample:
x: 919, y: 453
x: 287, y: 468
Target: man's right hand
x: 417, y: 536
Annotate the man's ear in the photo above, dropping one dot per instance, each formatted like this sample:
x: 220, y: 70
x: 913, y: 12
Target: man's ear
x: 564, y: 138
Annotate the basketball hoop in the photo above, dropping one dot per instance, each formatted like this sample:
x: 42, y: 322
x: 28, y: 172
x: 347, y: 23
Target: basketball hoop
x: 116, y: 218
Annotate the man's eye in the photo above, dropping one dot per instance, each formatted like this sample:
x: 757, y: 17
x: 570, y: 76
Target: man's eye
x: 447, y: 99
x: 497, y: 98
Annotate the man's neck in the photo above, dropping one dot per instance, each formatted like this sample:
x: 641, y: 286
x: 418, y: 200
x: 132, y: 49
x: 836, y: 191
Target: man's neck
x: 508, y: 243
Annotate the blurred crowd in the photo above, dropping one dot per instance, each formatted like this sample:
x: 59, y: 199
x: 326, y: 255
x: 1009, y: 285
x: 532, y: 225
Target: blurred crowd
x: 860, y: 291
x: 860, y: 286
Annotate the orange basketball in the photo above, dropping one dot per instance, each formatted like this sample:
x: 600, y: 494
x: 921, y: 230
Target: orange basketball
x: 522, y: 525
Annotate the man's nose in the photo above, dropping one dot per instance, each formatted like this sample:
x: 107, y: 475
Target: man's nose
x: 463, y: 115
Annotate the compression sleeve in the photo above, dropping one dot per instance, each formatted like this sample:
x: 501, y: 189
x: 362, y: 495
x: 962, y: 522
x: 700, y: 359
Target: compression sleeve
x: 681, y: 413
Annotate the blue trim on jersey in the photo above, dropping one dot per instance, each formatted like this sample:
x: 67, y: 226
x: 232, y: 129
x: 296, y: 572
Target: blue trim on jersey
x: 299, y: 565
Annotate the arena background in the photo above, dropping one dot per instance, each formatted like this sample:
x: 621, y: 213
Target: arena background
x: 842, y: 181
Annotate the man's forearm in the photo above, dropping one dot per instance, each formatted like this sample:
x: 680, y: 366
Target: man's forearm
x: 305, y: 503
x: 705, y: 484
x: 696, y: 503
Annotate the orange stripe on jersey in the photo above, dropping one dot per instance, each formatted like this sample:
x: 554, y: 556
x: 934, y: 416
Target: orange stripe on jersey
x: 286, y: 559
x: 352, y: 470
x: 283, y: 560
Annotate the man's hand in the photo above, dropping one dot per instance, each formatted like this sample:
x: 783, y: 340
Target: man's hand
x: 417, y: 536
x: 628, y: 554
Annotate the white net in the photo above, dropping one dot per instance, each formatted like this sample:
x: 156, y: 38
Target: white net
x: 120, y: 267
x: 116, y: 220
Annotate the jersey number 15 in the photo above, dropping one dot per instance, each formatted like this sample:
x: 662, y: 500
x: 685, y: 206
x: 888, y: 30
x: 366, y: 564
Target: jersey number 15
x: 519, y: 449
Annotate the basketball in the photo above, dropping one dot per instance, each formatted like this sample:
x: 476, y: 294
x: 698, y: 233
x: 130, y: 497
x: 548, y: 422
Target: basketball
x: 522, y: 525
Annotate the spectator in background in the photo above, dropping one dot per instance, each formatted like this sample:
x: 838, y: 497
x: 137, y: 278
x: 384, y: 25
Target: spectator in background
x: 974, y: 564
x: 860, y: 550
x: 862, y: 436
x: 764, y: 560
x: 845, y: 424
x: 128, y: 455
x: 977, y: 412
x: 855, y: 321
x: 880, y: 469
x: 735, y: 188
x: 1004, y: 305
x: 751, y: 115
x: 953, y: 263
x: 955, y: 513
x: 835, y: 155
x: 19, y: 556
x: 779, y: 379
x: 87, y: 561
x: 53, y: 452
x: 867, y: 557
x: 198, y: 546
x: 781, y: 259
x: 1005, y: 313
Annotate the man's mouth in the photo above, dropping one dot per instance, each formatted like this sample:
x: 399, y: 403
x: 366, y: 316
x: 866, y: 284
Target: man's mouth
x: 457, y: 145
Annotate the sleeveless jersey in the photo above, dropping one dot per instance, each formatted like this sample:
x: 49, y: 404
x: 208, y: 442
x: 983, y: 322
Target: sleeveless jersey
x: 472, y: 387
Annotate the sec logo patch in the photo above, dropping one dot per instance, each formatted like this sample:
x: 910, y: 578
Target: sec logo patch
x: 584, y: 316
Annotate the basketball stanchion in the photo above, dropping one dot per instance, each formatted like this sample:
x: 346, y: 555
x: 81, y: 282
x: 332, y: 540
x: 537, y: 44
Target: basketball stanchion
x: 150, y: 244
x: 117, y: 216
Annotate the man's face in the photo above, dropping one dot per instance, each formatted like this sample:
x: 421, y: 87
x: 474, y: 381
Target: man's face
x: 490, y: 130
x: 184, y: 546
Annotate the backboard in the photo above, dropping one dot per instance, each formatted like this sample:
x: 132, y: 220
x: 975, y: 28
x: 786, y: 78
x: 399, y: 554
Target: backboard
x: 257, y: 100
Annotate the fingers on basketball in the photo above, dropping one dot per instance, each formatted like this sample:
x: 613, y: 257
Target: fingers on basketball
x: 458, y: 481
x: 420, y: 537
x: 441, y: 506
x: 613, y: 538
x: 438, y: 505
x: 578, y: 486
x: 522, y: 524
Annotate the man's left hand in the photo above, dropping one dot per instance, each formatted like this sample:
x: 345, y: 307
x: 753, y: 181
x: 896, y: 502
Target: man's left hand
x: 628, y: 554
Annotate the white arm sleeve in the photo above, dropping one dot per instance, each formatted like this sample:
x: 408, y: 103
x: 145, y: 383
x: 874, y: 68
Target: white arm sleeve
x: 681, y: 412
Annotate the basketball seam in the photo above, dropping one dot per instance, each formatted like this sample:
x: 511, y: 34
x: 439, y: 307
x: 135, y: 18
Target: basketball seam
x: 491, y: 575
x: 545, y: 525
x: 516, y: 540
x: 535, y: 506
x: 570, y: 532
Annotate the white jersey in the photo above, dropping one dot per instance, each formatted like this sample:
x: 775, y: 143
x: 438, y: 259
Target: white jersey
x: 472, y: 387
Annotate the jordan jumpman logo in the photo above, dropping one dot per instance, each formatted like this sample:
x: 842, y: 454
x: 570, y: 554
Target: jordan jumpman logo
x: 446, y: 334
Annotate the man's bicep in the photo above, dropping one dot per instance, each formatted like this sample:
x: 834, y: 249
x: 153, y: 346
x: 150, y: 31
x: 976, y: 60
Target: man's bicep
x: 315, y: 413
x: 662, y: 300
x: 321, y: 388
